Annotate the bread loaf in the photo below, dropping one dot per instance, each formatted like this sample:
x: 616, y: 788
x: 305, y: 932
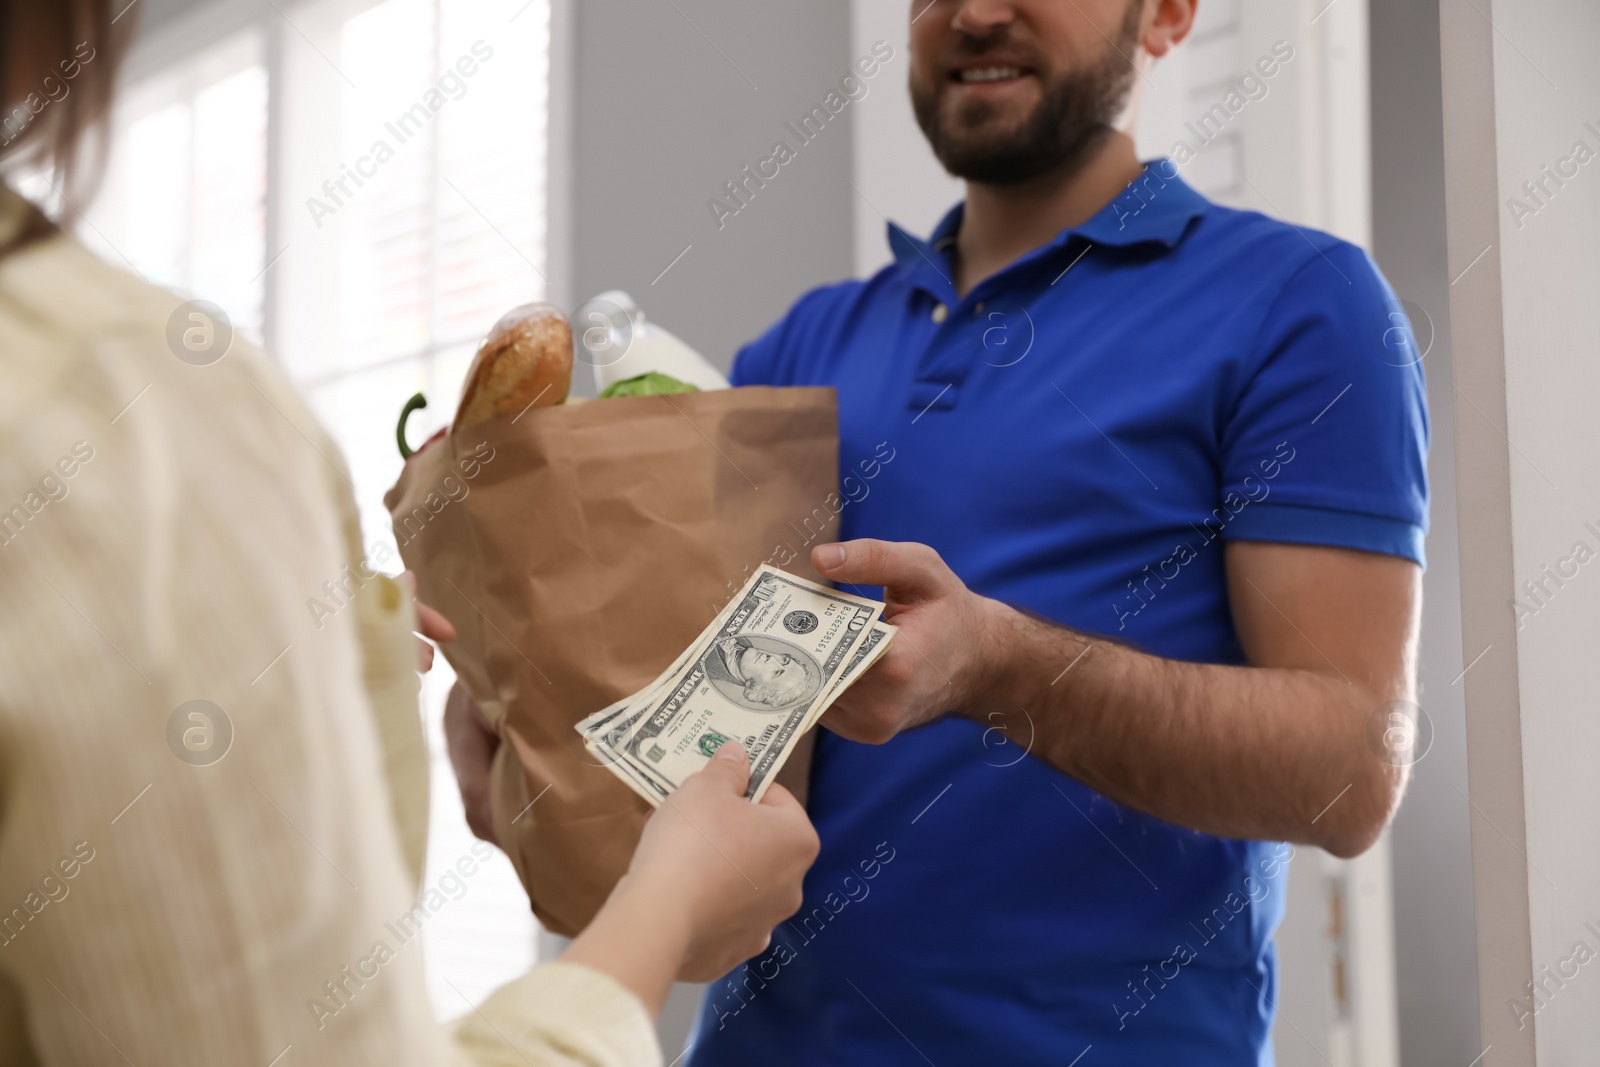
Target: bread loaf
x: 526, y: 361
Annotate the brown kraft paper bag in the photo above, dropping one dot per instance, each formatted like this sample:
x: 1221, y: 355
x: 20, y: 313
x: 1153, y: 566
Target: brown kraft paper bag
x: 577, y: 550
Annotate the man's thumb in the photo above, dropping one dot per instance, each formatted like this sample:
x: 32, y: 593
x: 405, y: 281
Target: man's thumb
x: 910, y: 571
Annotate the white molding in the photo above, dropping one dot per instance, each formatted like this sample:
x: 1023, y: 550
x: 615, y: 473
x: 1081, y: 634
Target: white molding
x: 893, y: 168
x: 272, y: 288
x: 560, y: 156
x: 1519, y: 99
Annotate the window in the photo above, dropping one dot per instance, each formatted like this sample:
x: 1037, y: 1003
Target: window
x: 403, y: 193
x: 434, y: 210
x: 185, y: 196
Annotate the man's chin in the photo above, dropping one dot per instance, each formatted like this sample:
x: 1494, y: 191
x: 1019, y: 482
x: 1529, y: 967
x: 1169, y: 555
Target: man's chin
x: 971, y: 116
x: 987, y: 159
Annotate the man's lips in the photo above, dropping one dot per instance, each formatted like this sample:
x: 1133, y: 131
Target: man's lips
x: 988, y: 79
x: 989, y: 74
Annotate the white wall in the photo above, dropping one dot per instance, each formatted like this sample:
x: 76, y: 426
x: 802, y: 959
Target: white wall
x: 1521, y: 91
x: 1297, y: 148
x: 896, y: 176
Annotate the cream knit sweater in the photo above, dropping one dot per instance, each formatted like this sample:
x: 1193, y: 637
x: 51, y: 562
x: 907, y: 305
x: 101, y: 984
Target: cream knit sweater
x: 161, y: 528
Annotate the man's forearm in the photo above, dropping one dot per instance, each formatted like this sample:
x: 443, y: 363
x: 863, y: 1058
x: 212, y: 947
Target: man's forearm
x: 1244, y: 752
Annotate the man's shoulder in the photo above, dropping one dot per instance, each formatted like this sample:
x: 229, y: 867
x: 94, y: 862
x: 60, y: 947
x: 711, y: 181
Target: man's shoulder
x: 1273, y: 247
x: 814, y: 329
x: 836, y: 301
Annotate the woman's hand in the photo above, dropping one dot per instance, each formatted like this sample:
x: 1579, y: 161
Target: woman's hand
x: 712, y: 876
x: 472, y: 744
x: 430, y: 625
x: 733, y: 867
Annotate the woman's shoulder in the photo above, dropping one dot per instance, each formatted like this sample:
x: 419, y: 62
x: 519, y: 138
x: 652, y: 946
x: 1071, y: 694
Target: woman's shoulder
x: 90, y: 350
x: 61, y: 307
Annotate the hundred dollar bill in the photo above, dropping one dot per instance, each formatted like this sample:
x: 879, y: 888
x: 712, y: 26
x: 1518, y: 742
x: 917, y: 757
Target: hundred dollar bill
x: 758, y: 679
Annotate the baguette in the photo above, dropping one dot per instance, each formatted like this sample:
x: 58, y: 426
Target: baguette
x: 525, y: 361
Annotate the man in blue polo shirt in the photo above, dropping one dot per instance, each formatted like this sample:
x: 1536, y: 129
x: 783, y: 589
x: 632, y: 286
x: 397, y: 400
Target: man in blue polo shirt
x: 1142, y: 479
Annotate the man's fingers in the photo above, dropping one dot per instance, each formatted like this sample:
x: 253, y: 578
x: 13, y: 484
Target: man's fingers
x: 850, y: 728
x: 908, y: 570
x: 854, y: 720
x: 471, y: 745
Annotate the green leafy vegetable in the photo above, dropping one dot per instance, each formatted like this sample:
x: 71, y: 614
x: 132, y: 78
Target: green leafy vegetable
x: 652, y: 384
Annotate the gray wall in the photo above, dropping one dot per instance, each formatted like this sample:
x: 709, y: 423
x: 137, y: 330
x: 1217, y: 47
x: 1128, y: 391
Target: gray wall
x: 1435, y: 942
x: 662, y: 117
x: 658, y: 120
x: 153, y: 14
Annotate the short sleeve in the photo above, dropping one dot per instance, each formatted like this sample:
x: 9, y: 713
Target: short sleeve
x: 1328, y: 440
x: 787, y: 353
x: 756, y: 362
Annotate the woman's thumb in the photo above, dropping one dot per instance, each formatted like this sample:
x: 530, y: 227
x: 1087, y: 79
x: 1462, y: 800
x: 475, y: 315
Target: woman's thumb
x: 732, y: 764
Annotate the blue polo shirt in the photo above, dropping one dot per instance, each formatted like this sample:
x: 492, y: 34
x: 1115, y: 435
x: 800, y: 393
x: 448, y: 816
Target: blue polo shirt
x: 1079, y: 436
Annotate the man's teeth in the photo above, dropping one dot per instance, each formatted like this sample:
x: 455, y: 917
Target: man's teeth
x: 991, y: 74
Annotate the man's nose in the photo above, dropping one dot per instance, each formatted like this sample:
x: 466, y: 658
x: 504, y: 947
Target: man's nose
x: 982, y: 18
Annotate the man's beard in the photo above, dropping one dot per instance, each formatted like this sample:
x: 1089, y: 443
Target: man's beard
x: 1077, y: 108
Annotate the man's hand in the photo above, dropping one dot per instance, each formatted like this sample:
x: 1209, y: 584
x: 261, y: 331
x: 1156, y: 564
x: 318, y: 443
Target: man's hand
x: 938, y: 661
x: 1282, y: 749
x: 472, y: 744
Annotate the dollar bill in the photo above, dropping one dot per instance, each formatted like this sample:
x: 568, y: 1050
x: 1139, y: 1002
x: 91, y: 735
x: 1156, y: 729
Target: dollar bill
x: 870, y: 651
x: 761, y: 675
x: 609, y: 728
x: 759, y: 682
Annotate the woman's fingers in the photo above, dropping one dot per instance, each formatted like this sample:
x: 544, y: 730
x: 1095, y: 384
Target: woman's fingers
x: 432, y: 625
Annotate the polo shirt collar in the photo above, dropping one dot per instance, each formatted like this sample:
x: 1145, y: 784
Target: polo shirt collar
x: 1155, y: 208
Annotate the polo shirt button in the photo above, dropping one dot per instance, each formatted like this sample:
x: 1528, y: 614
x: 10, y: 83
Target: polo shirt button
x: 977, y: 310
x: 940, y: 313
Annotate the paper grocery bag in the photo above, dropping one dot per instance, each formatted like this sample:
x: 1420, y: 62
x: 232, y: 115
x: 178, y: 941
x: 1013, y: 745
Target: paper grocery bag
x: 578, y: 549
